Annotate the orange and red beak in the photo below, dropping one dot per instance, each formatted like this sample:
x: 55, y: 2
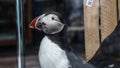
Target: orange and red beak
x: 32, y: 24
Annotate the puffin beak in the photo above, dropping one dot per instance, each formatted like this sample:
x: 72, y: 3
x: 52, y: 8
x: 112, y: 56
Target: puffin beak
x: 33, y: 23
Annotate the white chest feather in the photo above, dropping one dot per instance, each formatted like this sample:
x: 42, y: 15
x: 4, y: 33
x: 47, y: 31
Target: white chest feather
x: 51, y: 55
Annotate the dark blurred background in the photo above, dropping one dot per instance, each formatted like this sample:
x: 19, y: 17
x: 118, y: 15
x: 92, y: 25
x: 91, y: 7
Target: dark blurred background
x: 72, y: 10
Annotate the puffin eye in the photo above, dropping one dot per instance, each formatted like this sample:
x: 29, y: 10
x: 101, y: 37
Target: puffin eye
x: 53, y: 18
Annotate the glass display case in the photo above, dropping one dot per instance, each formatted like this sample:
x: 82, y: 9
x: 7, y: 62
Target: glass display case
x: 89, y: 22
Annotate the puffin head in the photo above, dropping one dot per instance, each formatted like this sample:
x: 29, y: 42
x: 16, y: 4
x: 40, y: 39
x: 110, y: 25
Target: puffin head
x: 50, y: 23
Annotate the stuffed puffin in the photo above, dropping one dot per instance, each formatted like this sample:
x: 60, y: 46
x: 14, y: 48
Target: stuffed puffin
x: 54, y: 51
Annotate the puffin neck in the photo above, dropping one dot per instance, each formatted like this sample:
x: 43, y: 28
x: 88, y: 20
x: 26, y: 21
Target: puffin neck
x: 60, y: 39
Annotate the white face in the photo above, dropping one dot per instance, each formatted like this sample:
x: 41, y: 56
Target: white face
x: 50, y: 23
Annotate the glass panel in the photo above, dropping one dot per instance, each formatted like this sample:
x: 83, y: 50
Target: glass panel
x: 78, y: 17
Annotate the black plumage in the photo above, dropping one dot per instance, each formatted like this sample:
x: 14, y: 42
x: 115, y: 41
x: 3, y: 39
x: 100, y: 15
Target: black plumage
x: 109, y: 51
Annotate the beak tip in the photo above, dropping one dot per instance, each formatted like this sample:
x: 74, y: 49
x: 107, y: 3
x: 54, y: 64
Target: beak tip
x: 31, y: 27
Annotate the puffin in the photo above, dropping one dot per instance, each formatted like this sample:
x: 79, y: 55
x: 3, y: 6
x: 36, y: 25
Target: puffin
x: 108, y: 54
x: 54, y: 50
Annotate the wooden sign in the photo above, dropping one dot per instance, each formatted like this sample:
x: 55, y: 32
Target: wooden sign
x: 91, y: 24
x: 108, y: 17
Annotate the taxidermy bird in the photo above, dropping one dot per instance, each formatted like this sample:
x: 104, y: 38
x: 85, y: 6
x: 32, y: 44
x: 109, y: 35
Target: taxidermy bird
x: 54, y: 51
x: 108, y: 54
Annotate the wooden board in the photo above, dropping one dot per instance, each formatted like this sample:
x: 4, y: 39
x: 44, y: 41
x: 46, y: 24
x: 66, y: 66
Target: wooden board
x: 91, y: 24
x: 108, y: 15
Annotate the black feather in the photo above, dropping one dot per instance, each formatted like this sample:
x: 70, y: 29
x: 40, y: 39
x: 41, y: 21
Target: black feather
x: 76, y: 62
x: 109, y: 50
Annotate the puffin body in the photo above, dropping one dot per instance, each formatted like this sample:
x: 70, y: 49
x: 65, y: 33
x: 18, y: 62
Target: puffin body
x: 50, y: 51
x: 54, y: 50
